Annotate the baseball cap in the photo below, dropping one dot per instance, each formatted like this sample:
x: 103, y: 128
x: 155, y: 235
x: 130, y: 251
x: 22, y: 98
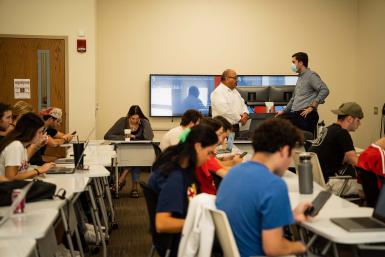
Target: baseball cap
x: 350, y: 108
x: 52, y: 111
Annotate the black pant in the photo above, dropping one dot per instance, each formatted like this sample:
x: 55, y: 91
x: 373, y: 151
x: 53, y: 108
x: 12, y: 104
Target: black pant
x: 308, y: 123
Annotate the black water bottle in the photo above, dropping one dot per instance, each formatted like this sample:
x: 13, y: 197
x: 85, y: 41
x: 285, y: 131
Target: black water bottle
x: 305, y: 174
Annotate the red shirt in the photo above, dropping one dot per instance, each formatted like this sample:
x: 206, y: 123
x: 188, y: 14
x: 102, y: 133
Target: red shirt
x: 204, y: 177
x: 372, y: 160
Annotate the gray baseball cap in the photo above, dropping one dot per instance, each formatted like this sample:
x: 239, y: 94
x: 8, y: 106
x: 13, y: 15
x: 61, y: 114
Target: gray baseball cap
x: 351, y: 109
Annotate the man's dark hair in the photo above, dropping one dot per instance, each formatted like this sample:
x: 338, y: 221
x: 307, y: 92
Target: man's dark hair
x: 4, y: 108
x: 301, y: 57
x: 190, y: 115
x: 46, y: 117
x: 341, y: 117
x: 273, y: 134
x: 212, y: 123
x: 225, y: 123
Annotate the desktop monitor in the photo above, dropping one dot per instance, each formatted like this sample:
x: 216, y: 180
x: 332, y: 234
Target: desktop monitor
x: 281, y: 94
x: 254, y: 94
x: 172, y: 95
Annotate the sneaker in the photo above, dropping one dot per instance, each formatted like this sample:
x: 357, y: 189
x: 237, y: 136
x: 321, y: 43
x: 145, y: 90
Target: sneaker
x: 90, y: 236
x: 134, y: 194
x: 91, y: 226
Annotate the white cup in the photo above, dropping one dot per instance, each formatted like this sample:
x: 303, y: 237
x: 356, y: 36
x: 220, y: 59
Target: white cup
x: 269, y: 107
x: 127, y: 135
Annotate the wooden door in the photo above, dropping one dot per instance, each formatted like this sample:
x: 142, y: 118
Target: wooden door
x: 40, y: 60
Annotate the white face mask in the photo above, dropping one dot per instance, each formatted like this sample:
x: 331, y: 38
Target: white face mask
x: 293, y: 68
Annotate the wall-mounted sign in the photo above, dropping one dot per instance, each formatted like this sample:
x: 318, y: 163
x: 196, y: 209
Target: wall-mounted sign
x: 22, y: 88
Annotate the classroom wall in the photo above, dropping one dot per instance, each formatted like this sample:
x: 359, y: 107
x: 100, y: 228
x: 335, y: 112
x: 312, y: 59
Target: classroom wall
x: 370, y: 85
x: 136, y: 38
x: 62, y: 18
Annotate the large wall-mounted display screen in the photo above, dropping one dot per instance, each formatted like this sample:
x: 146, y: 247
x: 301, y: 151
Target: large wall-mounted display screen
x: 172, y: 95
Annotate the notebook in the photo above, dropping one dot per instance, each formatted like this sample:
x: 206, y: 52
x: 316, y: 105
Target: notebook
x: 366, y: 224
x: 9, y: 210
x: 230, y: 143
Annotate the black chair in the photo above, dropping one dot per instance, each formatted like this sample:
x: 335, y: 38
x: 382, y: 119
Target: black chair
x: 369, y: 183
x: 165, y: 240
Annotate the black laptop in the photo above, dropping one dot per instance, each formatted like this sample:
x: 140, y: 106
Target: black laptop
x: 366, y: 224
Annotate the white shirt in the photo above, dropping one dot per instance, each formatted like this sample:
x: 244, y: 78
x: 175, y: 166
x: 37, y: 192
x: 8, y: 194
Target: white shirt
x: 171, y: 137
x: 15, y: 154
x: 227, y: 103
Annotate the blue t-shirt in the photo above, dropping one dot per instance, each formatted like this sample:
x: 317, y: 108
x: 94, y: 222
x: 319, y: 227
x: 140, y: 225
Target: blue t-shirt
x: 254, y: 199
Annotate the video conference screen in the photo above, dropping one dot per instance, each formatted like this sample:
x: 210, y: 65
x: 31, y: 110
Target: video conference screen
x: 172, y: 95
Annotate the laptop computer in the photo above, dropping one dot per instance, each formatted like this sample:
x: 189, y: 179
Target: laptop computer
x: 15, y: 203
x: 67, y: 170
x: 230, y: 143
x: 366, y: 224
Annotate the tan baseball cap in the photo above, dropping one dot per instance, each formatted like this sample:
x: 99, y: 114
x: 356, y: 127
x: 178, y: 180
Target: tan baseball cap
x: 52, y: 111
x: 351, y: 108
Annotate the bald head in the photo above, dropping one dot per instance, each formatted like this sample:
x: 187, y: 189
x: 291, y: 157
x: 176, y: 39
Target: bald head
x: 229, y: 78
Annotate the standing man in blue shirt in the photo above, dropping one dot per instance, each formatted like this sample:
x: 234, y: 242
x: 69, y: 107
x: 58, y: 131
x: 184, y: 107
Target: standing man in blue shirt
x: 255, y: 198
x: 309, y: 92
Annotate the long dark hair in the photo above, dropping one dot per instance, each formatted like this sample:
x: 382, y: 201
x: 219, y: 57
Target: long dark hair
x: 135, y: 109
x: 25, y: 130
x: 172, y: 157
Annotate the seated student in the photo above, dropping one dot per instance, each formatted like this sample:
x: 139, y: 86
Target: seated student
x: 255, y: 198
x: 13, y: 152
x: 373, y: 159
x: 52, y: 119
x: 212, y: 165
x: 189, y: 119
x: 334, y: 146
x: 5, y: 118
x: 140, y: 130
x: 174, y: 181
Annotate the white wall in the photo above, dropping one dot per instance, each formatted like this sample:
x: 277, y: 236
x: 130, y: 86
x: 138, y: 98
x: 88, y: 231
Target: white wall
x: 62, y: 18
x: 370, y: 86
x: 136, y: 38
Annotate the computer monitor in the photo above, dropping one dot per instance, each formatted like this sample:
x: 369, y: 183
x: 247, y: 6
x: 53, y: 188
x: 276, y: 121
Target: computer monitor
x: 281, y: 94
x: 254, y: 94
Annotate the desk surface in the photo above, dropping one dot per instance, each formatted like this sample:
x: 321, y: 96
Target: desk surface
x: 17, y: 247
x: 33, y: 224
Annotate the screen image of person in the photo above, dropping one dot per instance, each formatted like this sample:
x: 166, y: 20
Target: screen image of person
x: 192, y: 101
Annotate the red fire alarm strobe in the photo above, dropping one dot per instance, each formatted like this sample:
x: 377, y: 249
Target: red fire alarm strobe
x: 81, y: 45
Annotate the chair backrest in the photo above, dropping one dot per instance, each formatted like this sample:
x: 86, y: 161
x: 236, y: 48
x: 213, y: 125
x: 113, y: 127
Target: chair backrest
x: 318, y: 176
x: 224, y: 234
x: 369, y: 183
x: 151, y: 198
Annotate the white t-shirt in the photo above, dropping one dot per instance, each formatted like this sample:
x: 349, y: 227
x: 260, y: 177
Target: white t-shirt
x: 15, y: 154
x: 227, y: 103
x: 171, y: 137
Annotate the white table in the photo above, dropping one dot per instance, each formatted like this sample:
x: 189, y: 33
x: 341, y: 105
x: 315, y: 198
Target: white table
x: 18, y: 247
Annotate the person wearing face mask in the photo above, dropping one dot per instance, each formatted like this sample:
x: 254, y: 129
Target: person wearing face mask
x: 334, y: 147
x: 227, y: 102
x: 310, y: 91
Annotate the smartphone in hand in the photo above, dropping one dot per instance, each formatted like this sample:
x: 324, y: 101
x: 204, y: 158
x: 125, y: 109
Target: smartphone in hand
x: 242, y: 154
x: 318, y: 203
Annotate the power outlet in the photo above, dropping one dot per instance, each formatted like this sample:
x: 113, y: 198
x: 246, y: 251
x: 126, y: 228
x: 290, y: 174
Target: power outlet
x: 375, y: 110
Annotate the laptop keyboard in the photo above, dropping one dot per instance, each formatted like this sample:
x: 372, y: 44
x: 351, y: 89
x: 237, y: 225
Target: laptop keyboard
x: 367, y: 222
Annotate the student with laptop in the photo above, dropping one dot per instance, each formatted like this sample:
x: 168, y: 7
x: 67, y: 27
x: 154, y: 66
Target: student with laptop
x: 141, y: 129
x: 334, y: 146
x: 255, y: 198
x: 52, y: 119
x: 13, y: 152
x: 174, y: 181
x: 190, y: 118
x: 5, y: 118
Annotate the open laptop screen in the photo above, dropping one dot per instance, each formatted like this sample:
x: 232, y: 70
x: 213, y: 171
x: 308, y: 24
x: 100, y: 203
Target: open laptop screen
x: 379, y: 211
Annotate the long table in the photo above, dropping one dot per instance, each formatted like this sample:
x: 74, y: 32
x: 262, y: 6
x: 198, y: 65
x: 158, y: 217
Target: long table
x: 321, y: 225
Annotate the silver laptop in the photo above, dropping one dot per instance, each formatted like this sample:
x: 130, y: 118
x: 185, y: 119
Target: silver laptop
x: 230, y: 143
x: 366, y: 224
x: 9, y: 210
x: 66, y: 170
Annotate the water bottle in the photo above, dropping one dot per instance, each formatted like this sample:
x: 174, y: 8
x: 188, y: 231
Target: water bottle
x: 305, y: 174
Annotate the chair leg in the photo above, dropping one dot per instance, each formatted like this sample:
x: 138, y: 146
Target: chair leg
x: 152, y: 251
